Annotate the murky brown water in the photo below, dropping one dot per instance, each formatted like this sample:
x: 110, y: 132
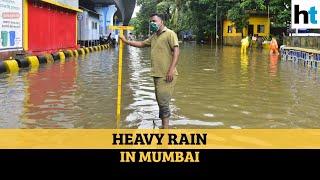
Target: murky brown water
x: 216, y: 89
x: 79, y: 93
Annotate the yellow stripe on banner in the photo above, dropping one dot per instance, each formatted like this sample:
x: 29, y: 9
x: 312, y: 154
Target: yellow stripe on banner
x: 215, y: 138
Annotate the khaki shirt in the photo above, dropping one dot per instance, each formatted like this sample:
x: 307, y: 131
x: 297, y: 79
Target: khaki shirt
x: 162, y: 51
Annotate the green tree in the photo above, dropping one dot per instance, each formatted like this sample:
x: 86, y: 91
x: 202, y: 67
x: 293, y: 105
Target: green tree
x: 200, y: 15
x: 141, y: 22
x: 169, y: 8
x: 280, y: 12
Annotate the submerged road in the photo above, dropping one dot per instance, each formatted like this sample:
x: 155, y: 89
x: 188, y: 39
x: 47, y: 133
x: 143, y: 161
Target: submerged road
x: 216, y: 89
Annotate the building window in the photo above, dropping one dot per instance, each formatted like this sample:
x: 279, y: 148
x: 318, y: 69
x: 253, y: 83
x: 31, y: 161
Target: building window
x: 260, y: 28
x: 229, y: 29
x: 94, y: 25
x: 238, y: 30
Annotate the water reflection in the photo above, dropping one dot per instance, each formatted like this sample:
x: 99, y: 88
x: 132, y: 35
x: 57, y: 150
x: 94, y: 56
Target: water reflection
x: 49, y: 95
x: 11, y: 97
x: 76, y: 93
x: 273, y: 66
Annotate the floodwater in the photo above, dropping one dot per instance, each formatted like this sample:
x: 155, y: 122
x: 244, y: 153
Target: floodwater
x: 216, y: 88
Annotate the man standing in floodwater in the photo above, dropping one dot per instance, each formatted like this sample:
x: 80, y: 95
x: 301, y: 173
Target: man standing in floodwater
x: 164, y: 59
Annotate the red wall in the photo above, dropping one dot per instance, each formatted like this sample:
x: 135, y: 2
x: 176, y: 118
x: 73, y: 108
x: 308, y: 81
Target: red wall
x: 51, y: 30
x: 58, y: 78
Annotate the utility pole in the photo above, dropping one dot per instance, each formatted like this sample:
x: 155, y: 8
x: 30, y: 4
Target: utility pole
x: 269, y: 22
x: 119, y: 94
x: 268, y: 3
x: 221, y: 30
x: 216, y: 23
x: 211, y: 38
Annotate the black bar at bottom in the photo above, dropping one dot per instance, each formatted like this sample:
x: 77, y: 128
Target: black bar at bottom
x: 212, y: 162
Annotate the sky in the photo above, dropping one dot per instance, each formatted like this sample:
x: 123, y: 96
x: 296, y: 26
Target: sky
x: 136, y: 9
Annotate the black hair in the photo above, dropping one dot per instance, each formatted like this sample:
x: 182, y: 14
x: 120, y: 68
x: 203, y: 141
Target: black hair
x: 157, y: 14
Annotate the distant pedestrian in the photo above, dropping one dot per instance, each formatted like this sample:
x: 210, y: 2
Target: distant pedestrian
x: 244, y: 44
x: 254, y: 41
x: 259, y: 42
x: 274, y: 47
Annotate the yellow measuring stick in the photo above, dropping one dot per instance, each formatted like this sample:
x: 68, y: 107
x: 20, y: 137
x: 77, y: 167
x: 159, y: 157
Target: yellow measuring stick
x: 121, y: 29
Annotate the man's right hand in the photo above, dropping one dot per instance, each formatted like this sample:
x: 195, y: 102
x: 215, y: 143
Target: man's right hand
x: 123, y: 38
x: 132, y: 43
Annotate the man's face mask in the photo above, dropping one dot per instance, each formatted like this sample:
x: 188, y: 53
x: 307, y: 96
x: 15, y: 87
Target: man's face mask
x: 154, y: 27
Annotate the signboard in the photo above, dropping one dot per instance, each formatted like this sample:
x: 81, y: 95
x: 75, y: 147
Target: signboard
x: 11, y: 24
x: 305, y: 14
